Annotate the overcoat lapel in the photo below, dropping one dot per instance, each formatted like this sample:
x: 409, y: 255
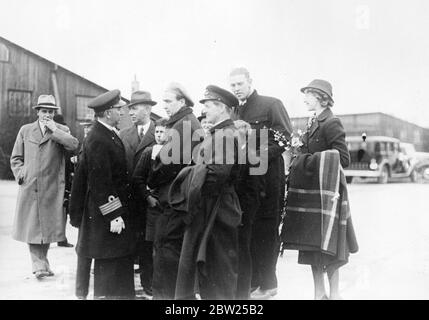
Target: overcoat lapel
x: 314, y: 128
x: 112, y: 136
x: 36, y: 133
x: 46, y: 137
x: 322, y: 117
x: 117, y: 140
x: 131, y: 138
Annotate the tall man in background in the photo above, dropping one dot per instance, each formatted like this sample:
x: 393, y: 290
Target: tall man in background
x: 263, y: 112
x: 38, y: 164
x: 136, y: 138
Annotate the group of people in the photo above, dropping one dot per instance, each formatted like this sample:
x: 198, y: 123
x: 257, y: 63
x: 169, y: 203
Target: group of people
x: 180, y: 196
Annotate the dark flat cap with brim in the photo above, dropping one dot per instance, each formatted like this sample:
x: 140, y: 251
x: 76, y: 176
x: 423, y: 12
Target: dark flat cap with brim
x: 215, y: 93
x: 141, y: 97
x: 46, y: 101
x: 105, y: 101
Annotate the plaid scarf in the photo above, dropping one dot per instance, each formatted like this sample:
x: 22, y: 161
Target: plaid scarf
x: 318, y: 213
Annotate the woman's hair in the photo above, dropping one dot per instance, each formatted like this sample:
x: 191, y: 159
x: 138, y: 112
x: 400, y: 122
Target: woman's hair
x: 324, y: 99
x: 161, y: 122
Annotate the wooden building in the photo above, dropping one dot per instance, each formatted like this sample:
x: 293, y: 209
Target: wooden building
x: 23, y: 77
x: 379, y: 124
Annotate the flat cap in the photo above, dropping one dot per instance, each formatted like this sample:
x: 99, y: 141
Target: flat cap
x: 105, y: 101
x: 218, y: 94
x: 180, y: 92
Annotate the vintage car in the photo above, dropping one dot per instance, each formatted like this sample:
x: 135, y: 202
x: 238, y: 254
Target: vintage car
x: 379, y: 157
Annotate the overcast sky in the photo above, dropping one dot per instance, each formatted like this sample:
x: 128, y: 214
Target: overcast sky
x: 375, y: 53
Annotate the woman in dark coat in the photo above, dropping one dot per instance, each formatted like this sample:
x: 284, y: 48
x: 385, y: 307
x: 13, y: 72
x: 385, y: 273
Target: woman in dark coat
x: 324, y: 132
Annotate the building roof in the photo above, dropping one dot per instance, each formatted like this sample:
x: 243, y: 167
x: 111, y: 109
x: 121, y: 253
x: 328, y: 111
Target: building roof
x: 54, y: 64
x: 368, y: 114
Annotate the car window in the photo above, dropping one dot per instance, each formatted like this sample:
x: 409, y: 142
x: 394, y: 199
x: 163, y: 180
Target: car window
x: 377, y: 147
x: 389, y: 147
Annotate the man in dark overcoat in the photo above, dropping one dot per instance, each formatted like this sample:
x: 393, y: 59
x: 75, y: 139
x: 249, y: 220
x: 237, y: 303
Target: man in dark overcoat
x: 76, y: 207
x: 105, y: 234
x: 210, y: 254
x: 264, y: 113
x: 173, y: 156
x: 136, y: 138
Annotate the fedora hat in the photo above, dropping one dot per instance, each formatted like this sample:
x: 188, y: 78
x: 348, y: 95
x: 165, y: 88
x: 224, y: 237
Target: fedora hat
x: 143, y: 97
x: 321, y: 85
x: 46, y: 101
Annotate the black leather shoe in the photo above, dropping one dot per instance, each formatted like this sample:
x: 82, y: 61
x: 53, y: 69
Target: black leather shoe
x: 65, y: 244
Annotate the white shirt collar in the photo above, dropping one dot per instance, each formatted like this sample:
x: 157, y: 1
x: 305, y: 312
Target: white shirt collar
x: 144, y: 127
x: 243, y: 102
x: 42, y: 127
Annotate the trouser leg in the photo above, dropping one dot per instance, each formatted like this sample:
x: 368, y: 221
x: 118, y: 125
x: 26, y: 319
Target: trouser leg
x: 167, y: 248
x: 264, y: 249
x: 114, y: 278
x: 146, y: 264
x: 39, y: 256
x: 244, y: 262
x: 83, y: 273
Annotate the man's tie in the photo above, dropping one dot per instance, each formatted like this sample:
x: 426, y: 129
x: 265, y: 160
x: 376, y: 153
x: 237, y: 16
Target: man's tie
x: 141, y: 135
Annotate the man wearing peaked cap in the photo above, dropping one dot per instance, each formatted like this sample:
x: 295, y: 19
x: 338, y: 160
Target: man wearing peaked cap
x: 38, y: 164
x: 105, y: 101
x: 215, y: 93
x: 219, y: 203
x: 105, y: 232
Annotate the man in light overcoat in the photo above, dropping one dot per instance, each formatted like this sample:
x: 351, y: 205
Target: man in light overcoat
x: 38, y: 164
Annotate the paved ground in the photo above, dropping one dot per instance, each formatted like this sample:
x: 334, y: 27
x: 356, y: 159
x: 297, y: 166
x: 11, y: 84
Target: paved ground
x: 391, y: 223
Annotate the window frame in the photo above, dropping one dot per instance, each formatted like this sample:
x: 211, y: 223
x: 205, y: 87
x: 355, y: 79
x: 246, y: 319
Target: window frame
x: 88, y: 111
x: 7, y: 53
x: 26, y: 114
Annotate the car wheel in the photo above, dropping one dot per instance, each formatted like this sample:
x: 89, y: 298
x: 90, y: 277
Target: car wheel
x: 413, y: 176
x: 384, y: 177
x: 349, y: 179
x: 425, y: 173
